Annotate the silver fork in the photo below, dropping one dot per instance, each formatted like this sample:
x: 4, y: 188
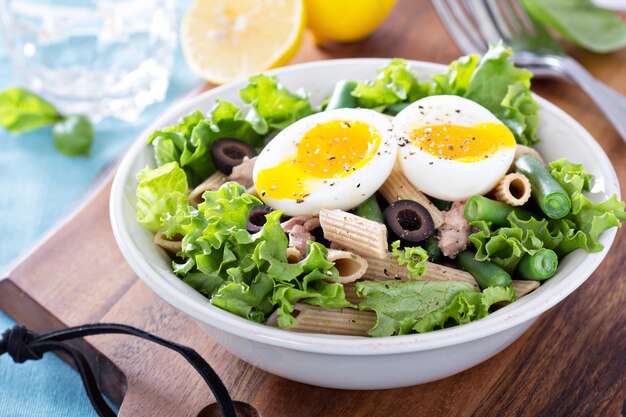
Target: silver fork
x: 473, y: 24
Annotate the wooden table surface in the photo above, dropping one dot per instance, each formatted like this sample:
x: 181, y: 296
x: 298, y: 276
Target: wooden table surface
x: 572, y: 361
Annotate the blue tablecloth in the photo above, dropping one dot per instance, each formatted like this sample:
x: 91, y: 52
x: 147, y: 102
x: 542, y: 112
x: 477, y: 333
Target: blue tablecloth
x: 38, y: 187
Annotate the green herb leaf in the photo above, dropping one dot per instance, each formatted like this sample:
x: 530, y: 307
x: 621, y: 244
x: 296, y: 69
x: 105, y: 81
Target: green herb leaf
x: 400, y: 305
x: 414, y: 258
x: 73, y: 135
x: 581, y: 22
x: 21, y: 111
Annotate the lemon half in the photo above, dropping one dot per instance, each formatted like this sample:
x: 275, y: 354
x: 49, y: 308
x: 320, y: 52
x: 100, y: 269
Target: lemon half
x: 224, y: 40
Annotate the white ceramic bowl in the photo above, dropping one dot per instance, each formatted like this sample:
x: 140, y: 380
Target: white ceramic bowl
x: 353, y: 362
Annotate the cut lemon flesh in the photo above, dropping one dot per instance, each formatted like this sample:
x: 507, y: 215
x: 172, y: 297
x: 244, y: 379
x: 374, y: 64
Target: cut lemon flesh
x: 224, y: 40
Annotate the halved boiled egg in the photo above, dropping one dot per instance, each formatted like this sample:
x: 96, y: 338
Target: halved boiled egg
x: 334, y: 159
x: 452, y: 148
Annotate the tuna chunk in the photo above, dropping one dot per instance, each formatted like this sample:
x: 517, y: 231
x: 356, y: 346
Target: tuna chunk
x: 242, y: 173
x: 455, y: 231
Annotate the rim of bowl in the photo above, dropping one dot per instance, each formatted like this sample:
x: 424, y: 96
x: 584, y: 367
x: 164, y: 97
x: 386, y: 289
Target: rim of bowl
x: 515, y: 314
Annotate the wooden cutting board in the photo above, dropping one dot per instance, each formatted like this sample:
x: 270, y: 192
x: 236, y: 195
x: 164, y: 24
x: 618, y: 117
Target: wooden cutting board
x: 572, y: 362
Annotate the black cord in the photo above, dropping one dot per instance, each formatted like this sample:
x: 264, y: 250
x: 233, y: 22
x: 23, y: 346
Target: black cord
x: 23, y: 345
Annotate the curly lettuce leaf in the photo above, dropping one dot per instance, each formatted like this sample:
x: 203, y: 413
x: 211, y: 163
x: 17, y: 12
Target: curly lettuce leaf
x: 414, y: 258
x: 456, y: 80
x: 246, y: 274
x: 587, y: 220
x: 394, y: 83
x: 494, y: 82
x: 310, y: 286
x: 504, y: 246
x: 189, y: 141
x: 247, y: 300
x: 572, y: 177
x: 161, y: 194
x: 272, y: 105
x: 464, y: 307
x: 400, y: 305
x: 545, y: 230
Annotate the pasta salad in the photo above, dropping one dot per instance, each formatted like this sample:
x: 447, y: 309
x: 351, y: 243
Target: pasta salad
x: 398, y: 205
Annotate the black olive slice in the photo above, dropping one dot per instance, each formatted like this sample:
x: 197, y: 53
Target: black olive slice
x: 409, y: 221
x: 229, y: 152
x: 256, y: 218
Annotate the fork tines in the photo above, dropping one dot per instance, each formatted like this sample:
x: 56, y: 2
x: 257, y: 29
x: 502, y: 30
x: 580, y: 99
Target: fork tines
x: 473, y: 24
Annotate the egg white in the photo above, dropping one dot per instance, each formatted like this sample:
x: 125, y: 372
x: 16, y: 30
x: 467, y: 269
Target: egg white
x: 447, y: 179
x: 332, y: 193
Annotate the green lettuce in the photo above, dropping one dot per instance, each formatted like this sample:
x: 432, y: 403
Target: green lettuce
x: 546, y: 230
x: 189, y: 141
x: 394, y: 83
x: 494, y: 82
x: 404, y: 307
x: 161, y: 195
x: 248, y: 274
x: 456, y: 80
x: 587, y: 220
x: 272, y: 105
x: 465, y: 307
x: 400, y: 305
x: 414, y: 258
x: 581, y: 228
x: 505, y: 246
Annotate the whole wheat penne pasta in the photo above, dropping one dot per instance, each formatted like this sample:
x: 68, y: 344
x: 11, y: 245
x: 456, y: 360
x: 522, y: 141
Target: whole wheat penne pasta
x: 293, y: 255
x: 350, y: 266
x: 388, y: 268
x: 398, y: 187
x: 170, y: 245
x: 522, y: 288
x: 436, y: 272
x: 513, y: 189
x: 212, y: 183
x: 355, y: 233
x: 342, y: 321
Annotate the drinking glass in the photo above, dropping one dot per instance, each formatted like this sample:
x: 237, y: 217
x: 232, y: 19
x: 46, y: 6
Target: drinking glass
x: 97, y: 57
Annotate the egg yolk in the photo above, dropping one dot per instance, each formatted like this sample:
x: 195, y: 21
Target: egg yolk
x: 463, y: 143
x: 328, y: 151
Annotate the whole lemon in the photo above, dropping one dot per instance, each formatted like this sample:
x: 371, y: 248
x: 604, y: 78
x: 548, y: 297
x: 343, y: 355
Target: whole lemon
x: 345, y: 20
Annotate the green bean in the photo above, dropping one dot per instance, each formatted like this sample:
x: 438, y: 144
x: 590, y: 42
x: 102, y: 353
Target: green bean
x: 370, y: 210
x: 342, y: 97
x: 394, y: 109
x: 486, y: 273
x: 431, y: 246
x: 483, y: 208
x: 538, y: 266
x: 545, y: 190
